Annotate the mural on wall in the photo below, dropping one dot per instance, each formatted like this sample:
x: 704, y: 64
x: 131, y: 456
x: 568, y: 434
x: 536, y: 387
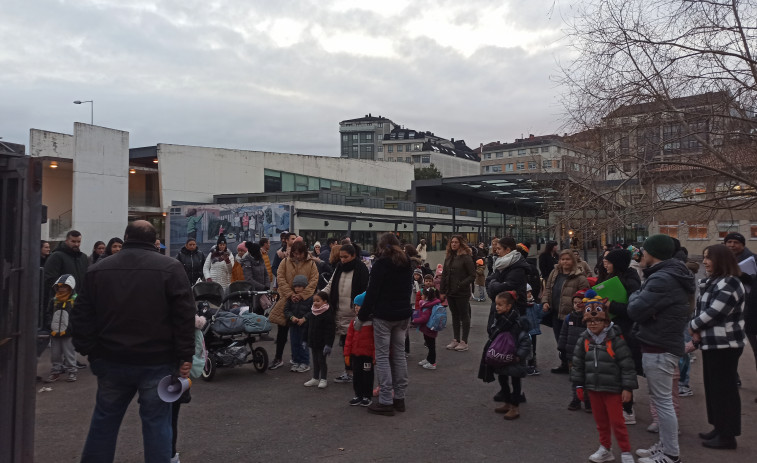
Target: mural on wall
x: 239, y: 222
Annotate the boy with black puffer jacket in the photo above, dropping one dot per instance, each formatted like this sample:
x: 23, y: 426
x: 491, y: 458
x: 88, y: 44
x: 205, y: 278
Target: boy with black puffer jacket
x: 572, y: 329
x: 603, y: 366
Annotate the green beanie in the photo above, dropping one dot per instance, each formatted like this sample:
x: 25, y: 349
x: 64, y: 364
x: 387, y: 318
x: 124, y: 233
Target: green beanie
x: 660, y: 246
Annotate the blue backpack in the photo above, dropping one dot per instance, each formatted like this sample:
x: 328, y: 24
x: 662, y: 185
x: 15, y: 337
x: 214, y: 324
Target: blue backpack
x: 438, y: 319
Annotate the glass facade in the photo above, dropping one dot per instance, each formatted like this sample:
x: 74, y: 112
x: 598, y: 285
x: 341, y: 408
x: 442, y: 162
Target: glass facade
x: 277, y: 181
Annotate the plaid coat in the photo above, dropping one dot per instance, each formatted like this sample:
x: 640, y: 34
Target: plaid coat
x: 719, y: 316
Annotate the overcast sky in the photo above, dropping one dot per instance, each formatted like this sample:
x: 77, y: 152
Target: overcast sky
x: 280, y: 75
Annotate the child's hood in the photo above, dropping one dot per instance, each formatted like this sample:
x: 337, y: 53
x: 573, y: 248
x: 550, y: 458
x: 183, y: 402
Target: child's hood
x: 431, y: 303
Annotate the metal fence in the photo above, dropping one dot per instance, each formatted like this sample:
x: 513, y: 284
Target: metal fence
x: 20, y: 217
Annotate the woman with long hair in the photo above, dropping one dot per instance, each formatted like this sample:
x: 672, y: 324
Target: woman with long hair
x: 563, y: 282
x: 457, y: 275
x: 718, y: 329
x: 98, y: 252
x: 114, y: 245
x: 548, y: 259
x: 387, y: 301
x: 219, y: 264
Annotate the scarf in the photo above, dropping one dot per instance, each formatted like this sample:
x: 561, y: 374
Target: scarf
x: 508, y: 260
x: 600, y: 338
x: 217, y: 256
x: 319, y: 310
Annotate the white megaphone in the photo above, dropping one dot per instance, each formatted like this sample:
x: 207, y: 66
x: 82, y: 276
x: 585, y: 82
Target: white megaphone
x: 172, y: 387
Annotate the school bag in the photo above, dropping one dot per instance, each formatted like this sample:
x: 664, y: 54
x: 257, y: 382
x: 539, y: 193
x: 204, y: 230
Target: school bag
x: 501, y: 352
x: 254, y: 323
x: 437, y: 321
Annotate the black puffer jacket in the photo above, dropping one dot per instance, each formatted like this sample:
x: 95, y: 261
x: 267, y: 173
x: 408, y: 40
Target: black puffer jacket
x: 511, y: 278
x: 661, y: 307
x: 193, y: 261
x: 64, y: 260
x: 388, y: 293
x: 619, y: 310
x: 572, y: 329
x: 518, y: 327
x: 321, y: 329
x: 606, y: 367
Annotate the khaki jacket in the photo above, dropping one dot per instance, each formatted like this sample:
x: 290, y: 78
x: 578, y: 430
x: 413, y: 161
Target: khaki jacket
x: 576, y: 280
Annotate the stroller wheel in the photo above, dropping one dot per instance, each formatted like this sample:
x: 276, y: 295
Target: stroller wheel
x: 209, y: 371
x: 260, y: 359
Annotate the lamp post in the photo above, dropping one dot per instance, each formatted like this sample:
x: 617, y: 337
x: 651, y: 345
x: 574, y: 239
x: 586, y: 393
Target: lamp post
x: 91, y: 110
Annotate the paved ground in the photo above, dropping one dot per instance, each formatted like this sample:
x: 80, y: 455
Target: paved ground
x: 244, y: 416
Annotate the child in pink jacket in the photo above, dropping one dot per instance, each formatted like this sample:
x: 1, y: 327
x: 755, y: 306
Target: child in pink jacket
x: 424, y: 302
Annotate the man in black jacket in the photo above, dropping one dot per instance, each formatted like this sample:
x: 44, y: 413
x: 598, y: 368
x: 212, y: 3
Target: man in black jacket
x: 134, y: 318
x: 67, y: 258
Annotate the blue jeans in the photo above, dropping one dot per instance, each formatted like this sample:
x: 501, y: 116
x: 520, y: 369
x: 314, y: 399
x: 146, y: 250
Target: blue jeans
x: 117, y: 384
x: 684, y: 364
x: 296, y: 335
x: 391, y: 364
x: 659, y: 370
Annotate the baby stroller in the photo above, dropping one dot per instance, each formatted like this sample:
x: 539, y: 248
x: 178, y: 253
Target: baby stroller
x: 230, y: 331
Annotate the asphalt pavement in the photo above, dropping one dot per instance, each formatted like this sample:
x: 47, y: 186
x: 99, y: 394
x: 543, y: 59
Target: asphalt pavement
x: 246, y: 416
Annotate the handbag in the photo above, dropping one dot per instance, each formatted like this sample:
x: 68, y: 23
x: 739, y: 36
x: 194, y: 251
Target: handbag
x: 277, y: 314
x: 501, y: 352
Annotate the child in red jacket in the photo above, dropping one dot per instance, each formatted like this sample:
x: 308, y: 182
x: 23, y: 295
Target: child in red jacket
x: 424, y: 302
x: 359, y: 353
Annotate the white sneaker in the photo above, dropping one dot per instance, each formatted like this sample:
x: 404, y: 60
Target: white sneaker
x: 602, y: 454
x: 423, y: 363
x: 429, y: 366
x: 175, y: 458
x: 461, y: 347
x: 322, y: 384
x: 626, y: 457
x: 311, y: 382
x: 302, y: 368
x: 452, y: 345
x: 651, y: 451
x: 630, y: 418
x: 654, y: 427
x: 659, y: 458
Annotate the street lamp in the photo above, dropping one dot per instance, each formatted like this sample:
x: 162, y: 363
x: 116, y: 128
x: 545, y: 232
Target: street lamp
x: 91, y: 110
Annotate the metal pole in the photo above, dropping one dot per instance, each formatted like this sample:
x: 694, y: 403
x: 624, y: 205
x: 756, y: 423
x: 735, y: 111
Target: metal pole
x: 92, y: 112
x: 454, y: 223
x: 415, y: 224
x: 482, y: 238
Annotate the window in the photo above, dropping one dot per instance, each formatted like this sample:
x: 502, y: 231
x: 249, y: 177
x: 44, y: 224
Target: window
x: 546, y: 164
x: 417, y: 147
x: 369, y: 136
x: 390, y: 159
x: 487, y: 168
x: 408, y: 159
x: 380, y: 149
x: 416, y: 158
x: 534, y: 150
x: 369, y: 148
x: 399, y: 159
x: 346, y: 150
x: 487, y: 156
x: 426, y: 159
x: 409, y: 147
x: 531, y: 165
x: 354, y: 148
x: 698, y: 231
x: 389, y: 149
x: 611, y: 169
x: 509, y: 167
x: 545, y: 149
x: 669, y: 228
x: 725, y: 228
x: 556, y: 164
x: 520, y: 166
x: 627, y: 166
x: 521, y: 152
x: 510, y: 154
x: 500, y: 154
x: 753, y: 231
x: 497, y: 168
x: 345, y: 138
x: 354, y: 137
x: 399, y: 148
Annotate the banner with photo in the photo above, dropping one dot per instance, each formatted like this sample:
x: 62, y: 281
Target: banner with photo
x: 239, y: 222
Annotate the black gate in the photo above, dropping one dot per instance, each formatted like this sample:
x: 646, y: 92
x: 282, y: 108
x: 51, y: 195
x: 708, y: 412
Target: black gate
x: 20, y: 217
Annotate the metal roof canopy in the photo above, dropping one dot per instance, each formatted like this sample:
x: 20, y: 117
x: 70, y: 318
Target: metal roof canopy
x: 516, y: 194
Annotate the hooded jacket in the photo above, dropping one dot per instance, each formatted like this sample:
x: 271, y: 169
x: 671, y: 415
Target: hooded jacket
x: 193, y: 262
x: 217, y: 269
x: 576, y: 280
x: 661, y: 307
x: 64, y: 260
x: 254, y: 272
x: 135, y: 307
x: 604, y: 367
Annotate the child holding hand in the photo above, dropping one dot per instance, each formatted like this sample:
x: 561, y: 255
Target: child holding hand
x: 423, y: 306
x: 359, y: 353
x: 602, y: 365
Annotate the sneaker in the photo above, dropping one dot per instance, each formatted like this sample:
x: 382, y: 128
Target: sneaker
x: 532, y: 371
x: 651, y: 451
x: 366, y: 402
x: 574, y: 405
x: 343, y: 378
x: 630, y: 418
x: 462, y: 346
x: 356, y: 401
x: 71, y: 377
x: 294, y: 366
x: 429, y: 366
x: 626, y: 457
x: 602, y: 454
x: 53, y: 377
x: 381, y: 409
x: 303, y: 367
x: 685, y: 391
x: 292, y: 362
x: 322, y: 384
x: 80, y: 365
x: 423, y: 362
x: 654, y: 427
x: 452, y: 345
x: 311, y: 382
x: 660, y: 458
x: 275, y: 364
x: 175, y: 458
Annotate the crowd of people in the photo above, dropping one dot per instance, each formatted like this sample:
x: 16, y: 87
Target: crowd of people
x: 327, y: 294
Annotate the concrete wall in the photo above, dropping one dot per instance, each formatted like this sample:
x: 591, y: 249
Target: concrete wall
x: 193, y: 173
x: 50, y: 144
x: 57, y: 190
x: 451, y: 166
x: 100, y: 183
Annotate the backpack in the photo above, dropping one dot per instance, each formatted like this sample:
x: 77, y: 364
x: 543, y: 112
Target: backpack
x: 437, y: 321
x: 501, y: 352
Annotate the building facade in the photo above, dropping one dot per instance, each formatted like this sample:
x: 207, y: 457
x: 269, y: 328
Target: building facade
x: 452, y: 158
x: 362, y: 138
x: 536, y: 154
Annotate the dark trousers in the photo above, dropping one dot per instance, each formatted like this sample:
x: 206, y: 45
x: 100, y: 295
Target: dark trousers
x: 362, y: 375
x: 174, y: 425
x: 511, y: 397
x: 721, y: 393
x: 431, y: 345
x: 281, y: 340
x: 342, y: 341
x: 556, y: 327
x: 320, y: 369
x: 532, y: 360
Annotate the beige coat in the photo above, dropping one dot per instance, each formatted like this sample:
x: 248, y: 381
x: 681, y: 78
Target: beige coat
x: 576, y: 280
x: 288, y: 269
x: 345, y: 314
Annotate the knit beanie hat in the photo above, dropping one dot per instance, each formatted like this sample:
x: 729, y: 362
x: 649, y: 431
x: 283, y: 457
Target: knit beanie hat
x: 620, y: 260
x: 300, y: 280
x: 418, y: 272
x: 439, y: 269
x: 635, y: 253
x: 359, y: 299
x: 660, y: 246
x: 241, y: 247
x: 734, y: 236
x: 221, y: 239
